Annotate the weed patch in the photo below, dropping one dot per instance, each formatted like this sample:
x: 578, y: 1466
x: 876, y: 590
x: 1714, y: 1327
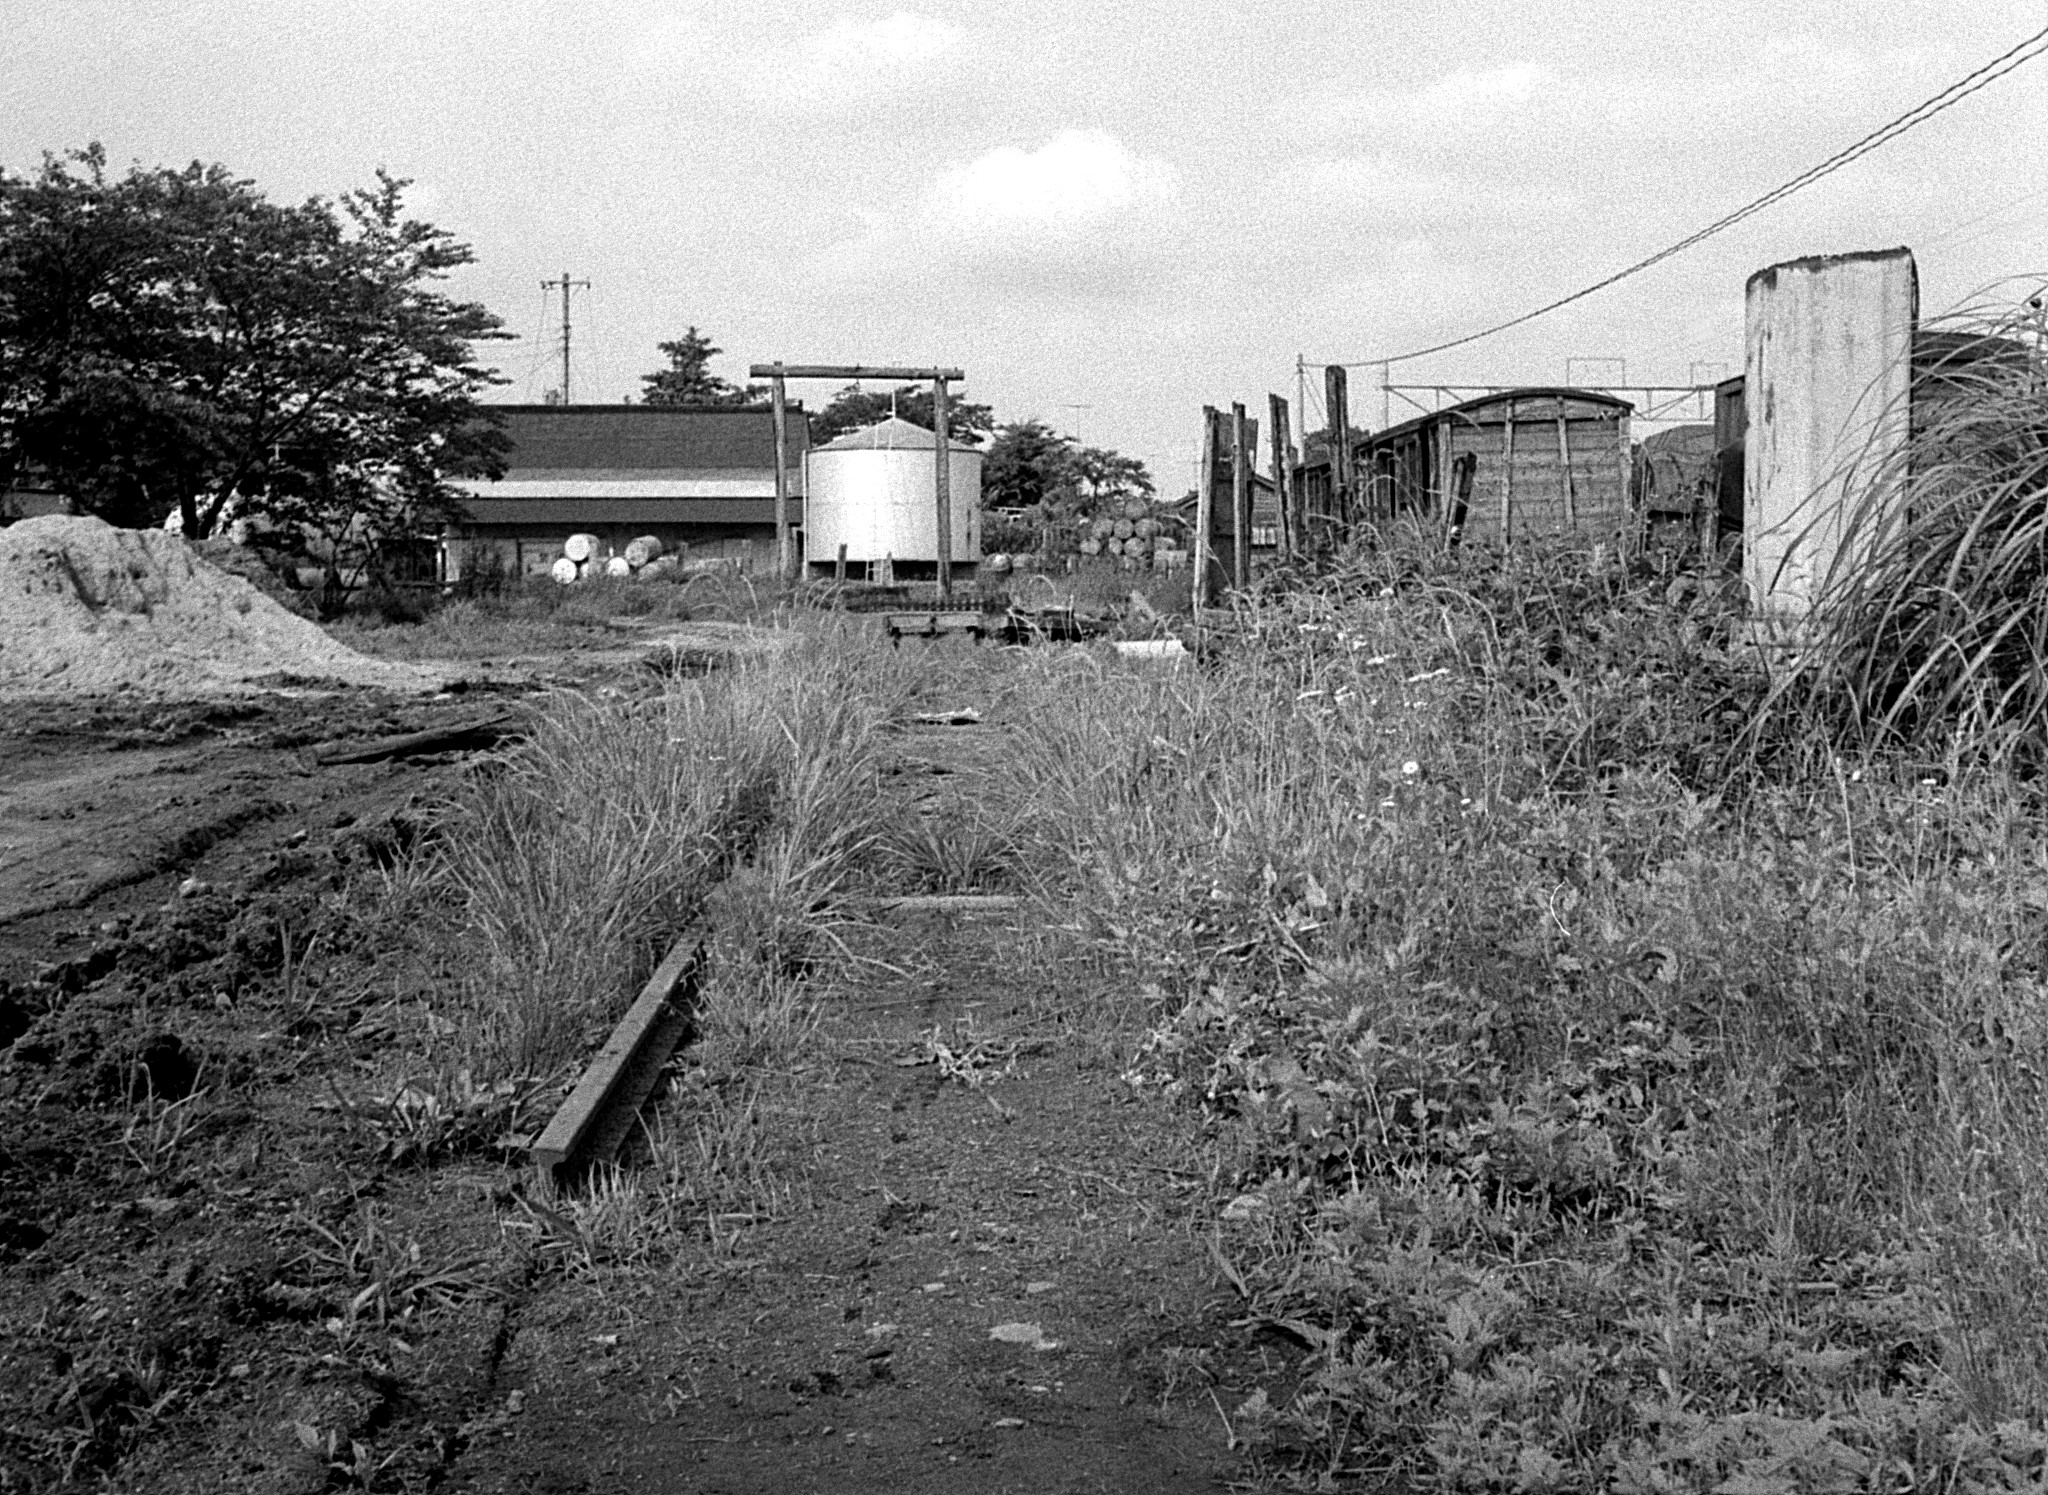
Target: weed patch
x: 1606, y: 1104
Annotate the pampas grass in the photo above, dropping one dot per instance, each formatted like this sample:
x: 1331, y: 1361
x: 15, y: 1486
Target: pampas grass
x: 1933, y: 629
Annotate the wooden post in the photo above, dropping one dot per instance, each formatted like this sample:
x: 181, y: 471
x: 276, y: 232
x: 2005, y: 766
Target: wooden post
x: 942, y: 483
x: 1283, y: 485
x: 1337, y: 399
x: 1443, y: 470
x: 1205, y: 512
x: 777, y: 402
x: 1507, y: 477
x: 839, y: 566
x: 1626, y: 538
x: 1564, y: 460
x: 1240, y: 501
x: 1462, y: 471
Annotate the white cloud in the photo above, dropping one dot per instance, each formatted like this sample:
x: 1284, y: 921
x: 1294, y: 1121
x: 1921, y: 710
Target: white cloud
x: 850, y: 64
x: 1082, y: 212
x: 1076, y: 188
x: 1464, y: 100
x: 852, y: 60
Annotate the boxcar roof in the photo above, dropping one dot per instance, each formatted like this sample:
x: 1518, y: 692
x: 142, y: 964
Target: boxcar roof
x: 1481, y: 402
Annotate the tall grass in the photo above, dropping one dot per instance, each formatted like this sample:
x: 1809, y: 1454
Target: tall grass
x: 1613, y: 1108
x: 1933, y: 629
x: 602, y: 837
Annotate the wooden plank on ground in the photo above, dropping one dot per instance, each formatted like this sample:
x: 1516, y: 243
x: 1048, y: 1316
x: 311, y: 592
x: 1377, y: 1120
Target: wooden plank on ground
x: 950, y: 903
x: 469, y: 736
x: 599, y: 1113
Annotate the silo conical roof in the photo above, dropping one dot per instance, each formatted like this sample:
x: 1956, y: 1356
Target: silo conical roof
x: 892, y: 435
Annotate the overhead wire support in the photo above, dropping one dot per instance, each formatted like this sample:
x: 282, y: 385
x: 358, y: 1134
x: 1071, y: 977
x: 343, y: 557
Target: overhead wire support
x: 2014, y: 57
x: 565, y: 283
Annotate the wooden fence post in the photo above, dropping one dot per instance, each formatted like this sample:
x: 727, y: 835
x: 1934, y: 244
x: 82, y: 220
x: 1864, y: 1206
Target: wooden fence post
x: 1507, y: 478
x: 1240, y: 501
x: 777, y: 398
x: 1283, y: 476
x: 1205, y: 511
x: 1336, y: 399
x: 942, y: 483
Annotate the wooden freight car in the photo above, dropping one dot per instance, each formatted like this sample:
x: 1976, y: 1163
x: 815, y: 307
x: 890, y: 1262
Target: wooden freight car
x: 1522, y: 462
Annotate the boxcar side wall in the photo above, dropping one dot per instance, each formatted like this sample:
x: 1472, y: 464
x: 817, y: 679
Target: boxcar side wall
x: 1577, y: 484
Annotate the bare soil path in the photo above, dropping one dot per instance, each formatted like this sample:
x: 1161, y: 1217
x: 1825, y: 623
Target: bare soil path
x: 848, y: 1344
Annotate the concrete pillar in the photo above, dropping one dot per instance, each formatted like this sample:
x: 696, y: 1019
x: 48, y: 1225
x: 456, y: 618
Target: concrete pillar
x: 1828, y: 364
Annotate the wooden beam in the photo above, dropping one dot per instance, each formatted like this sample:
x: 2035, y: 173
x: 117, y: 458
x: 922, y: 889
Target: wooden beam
x: 847, y: 371
x: 949, y: 903
x: 942, y: 484
x: 777, y: 402
x: 1564, y: 462
x: 469, y: 736
x: 599, y: 1113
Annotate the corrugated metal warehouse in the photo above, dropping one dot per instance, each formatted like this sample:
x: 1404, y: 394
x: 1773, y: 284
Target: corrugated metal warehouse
x: 1532, y: 461
x: 697, y: 477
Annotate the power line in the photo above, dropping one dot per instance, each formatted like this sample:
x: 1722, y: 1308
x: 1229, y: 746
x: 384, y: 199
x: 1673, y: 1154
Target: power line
x: 1955, y: 93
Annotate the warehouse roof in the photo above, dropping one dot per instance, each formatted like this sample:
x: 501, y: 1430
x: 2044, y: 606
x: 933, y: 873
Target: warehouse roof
x: 560, y: 439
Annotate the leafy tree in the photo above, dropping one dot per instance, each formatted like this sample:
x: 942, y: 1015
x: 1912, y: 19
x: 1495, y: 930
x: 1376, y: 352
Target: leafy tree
x: 688, y: 379
x: 1028, y: 464
x: 172, y: 341
x: 1105, y: 478
x: 854, y: 407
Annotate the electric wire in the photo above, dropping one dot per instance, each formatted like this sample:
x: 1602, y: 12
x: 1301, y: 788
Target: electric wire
x: 540, y: 320
x: 2006, y: 62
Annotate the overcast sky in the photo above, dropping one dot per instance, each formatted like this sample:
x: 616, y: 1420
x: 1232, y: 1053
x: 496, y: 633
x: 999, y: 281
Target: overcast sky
x: 1134, y: 209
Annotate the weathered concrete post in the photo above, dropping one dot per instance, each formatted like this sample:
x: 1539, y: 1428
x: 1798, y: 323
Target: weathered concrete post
x: 1828, y: 367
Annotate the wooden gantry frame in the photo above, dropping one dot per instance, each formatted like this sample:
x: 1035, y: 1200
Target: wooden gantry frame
x: 778, y: 375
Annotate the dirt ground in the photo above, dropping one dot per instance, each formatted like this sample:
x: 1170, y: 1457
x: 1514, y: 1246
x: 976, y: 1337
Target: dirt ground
x: 218, y: 1272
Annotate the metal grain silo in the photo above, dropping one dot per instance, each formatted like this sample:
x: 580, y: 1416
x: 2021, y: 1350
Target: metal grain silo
x: 872, y: 491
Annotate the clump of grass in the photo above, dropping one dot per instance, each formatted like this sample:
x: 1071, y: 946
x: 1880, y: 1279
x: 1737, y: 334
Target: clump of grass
x: 1933, y: 629
x: 600, y: 839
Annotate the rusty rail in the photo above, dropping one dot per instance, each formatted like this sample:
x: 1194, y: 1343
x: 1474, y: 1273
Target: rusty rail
x: 598, y: 1116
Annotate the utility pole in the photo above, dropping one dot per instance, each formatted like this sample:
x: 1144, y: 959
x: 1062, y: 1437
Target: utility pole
x: 565, y: 282
x: 1077, y: 419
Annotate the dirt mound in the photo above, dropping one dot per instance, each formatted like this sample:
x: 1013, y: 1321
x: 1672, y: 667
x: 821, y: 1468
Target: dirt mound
x: 85, y: 607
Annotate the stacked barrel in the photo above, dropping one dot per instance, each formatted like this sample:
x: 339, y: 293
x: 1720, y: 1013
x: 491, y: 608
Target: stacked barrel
x: 583, y: 557
x: 1138, y: 537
